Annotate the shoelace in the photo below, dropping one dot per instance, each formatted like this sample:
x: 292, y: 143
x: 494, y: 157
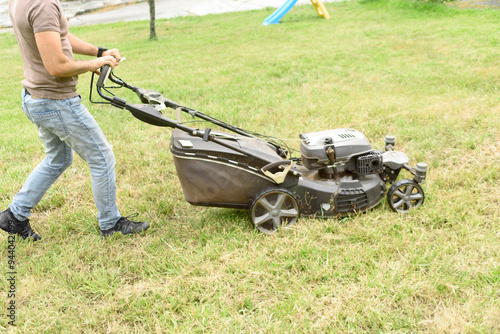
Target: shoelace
x: 135, y: 214
x: 25, y: 229
x: 126, y: 223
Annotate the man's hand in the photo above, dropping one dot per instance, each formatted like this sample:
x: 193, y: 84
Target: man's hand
x: 113, y: 52
x: 104, y: 60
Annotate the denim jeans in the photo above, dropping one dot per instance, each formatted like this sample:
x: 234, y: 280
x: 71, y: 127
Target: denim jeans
x: 65, y: 126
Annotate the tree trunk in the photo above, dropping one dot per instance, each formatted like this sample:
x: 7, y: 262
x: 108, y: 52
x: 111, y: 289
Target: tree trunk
x: 152, y: 26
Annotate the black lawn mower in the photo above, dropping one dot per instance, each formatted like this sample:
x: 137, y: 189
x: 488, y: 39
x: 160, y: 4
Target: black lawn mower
x: 338, y: 171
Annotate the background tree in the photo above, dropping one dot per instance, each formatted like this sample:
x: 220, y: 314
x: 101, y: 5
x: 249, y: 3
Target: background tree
x: 152, y: 25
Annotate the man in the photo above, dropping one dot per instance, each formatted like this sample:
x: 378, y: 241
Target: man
x: 64, y: 125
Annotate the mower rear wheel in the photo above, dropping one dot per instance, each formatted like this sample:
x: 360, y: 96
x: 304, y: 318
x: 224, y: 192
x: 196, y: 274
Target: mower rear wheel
x: 274, y: 208
x: 405, y: 195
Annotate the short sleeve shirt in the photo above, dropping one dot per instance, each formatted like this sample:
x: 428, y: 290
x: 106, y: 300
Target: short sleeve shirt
x: 28, y: 18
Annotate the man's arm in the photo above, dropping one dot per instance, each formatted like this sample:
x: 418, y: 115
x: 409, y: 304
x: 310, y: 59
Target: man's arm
x: 83, y: 48
x: 56, y: 62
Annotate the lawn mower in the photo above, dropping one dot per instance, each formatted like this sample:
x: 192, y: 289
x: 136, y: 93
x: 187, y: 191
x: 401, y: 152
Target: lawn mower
x: 338, y: 171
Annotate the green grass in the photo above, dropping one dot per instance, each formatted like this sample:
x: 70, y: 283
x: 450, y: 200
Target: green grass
x: 428, y: 74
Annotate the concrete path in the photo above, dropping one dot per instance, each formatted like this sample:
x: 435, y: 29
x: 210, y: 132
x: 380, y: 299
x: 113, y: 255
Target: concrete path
x: 477, y: 4
x: 172, y: 8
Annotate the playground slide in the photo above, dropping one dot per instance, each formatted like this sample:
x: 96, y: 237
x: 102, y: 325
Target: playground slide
x: 320, y: 9
x: 275, y: 17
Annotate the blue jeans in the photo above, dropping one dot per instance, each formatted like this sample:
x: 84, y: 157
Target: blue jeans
x: 65, y: 126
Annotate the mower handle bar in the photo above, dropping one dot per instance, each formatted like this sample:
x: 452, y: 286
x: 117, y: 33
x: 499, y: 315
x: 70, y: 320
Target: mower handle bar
x: 151, y: 115
x: 106, y: 71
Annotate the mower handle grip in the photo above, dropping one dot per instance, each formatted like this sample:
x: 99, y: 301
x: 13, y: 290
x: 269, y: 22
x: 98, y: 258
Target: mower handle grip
x: 105, y: 72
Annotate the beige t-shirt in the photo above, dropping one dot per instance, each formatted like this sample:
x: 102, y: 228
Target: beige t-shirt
x: 32, y: 16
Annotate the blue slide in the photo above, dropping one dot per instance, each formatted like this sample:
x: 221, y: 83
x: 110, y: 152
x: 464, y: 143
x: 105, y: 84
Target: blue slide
x: 275, y: 17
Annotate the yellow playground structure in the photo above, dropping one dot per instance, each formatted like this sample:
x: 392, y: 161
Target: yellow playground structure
x: 320, y: 9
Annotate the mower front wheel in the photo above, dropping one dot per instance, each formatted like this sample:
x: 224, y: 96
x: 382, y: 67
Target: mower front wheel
x: 274, y: 208
x: 405, y: 195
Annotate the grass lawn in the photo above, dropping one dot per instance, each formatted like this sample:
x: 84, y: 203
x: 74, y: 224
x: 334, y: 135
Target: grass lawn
x: 425, y: 73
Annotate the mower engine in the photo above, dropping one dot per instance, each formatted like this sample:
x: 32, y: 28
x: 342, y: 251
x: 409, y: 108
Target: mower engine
x: 336, y: 152
x: 344, y: 159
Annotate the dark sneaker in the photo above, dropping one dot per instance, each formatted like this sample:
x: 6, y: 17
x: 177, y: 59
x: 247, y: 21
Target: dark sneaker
x: 10, y: 224
x: 126, y: 226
